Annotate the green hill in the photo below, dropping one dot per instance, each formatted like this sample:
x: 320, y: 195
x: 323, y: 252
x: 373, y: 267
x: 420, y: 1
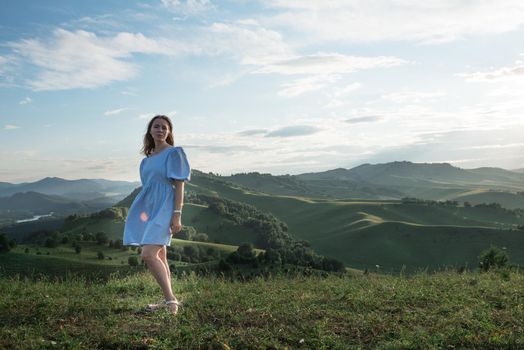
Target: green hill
x: 395, y: 180
x: 360, y: 233
x: 388, y: 233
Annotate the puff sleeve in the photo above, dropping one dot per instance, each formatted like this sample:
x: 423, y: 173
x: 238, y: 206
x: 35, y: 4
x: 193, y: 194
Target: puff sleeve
x: 177, y: 165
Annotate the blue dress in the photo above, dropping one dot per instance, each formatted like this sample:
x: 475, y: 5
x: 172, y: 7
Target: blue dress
x: 149, y: 217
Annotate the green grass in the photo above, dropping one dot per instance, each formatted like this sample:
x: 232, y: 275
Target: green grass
x: 360, y: 233
x: 444, y: 310
x: 63, y: 259
x: 365, y: 233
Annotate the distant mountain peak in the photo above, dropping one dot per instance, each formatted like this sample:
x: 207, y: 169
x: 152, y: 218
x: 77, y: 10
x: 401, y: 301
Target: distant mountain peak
x: 47, y: 180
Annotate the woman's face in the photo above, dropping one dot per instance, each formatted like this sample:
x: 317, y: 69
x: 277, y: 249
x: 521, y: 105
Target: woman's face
x: 160, y: 130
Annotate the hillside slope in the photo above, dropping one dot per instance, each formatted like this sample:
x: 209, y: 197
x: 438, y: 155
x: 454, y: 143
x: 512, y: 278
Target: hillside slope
x: 365, y: 233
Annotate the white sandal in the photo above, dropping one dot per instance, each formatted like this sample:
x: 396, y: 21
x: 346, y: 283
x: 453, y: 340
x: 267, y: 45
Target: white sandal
x: 154, y: 307
x: 173, y: 302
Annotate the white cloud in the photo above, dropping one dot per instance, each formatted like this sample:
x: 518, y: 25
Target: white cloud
x: 116, y: 111
x: 226, y: 80
x: 506, y: 92
x: 25, y: 101
x: 365, y: 119
x: 495, y: 146
x: 301, y: 86
x: 252, y: 132
x: 329, y: 63
x: 253, y: 45
x: 8, y: 64
x: 295, y: 130
x: 412, y: 96
x: 11, y: 127
x: 503, y: 73
x: 3, y: 63
x: 339, y: 96
x: 81, y: 59
x: 188, y: 7
x: 421, y: 21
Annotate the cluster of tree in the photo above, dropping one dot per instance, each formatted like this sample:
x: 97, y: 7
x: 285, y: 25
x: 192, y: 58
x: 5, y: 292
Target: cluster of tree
x: 429, y: 202
x: 489, y: 205
x: 100, y: 237
x: 194, y: 253
x: 271, y: 232
x: 193, y: 198
x: 6, y: 244
x: 116, y: 244
x: 448, y: 203
x: 300, y: 254
x: 74, y: 217
x: 115, y: 213
x: 518, y: 212
x: 189, y: 233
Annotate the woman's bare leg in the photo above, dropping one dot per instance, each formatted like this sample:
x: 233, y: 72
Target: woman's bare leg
x: 150, y: 254
x: 162, y: 254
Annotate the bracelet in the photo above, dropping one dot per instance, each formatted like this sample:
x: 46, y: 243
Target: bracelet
x: 178, y: 211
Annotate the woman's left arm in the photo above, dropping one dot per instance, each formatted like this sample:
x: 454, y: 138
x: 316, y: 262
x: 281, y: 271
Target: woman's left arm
x: 176, y: 220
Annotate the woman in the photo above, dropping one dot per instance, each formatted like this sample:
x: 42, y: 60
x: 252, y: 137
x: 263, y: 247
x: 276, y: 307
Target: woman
x: 156, y: 212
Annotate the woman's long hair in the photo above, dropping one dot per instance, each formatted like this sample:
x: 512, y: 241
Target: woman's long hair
x: 149, y: 142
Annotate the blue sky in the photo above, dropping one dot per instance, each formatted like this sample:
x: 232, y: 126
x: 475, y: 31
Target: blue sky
x: 277, y: 86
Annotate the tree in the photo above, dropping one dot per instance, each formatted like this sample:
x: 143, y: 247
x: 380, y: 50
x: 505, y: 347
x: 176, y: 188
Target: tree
x: 245, y: 252
x: 191, y: 253
x: 118, y: 244
x: 201, y: 237
x: 272, y: 257
x: 224, y: 266
x: 331, y: 264
x: 494, y: 257
x: 51, y: 243
x: 132, y: 261
x: 187, y: 233
x: 4, y: 244
x: 101, y: 238
x: 78, y: 249
x: 100, y: 255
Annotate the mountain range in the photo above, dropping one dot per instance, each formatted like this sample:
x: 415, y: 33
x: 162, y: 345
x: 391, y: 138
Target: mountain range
x: 396, y: 180
x: 61, y: 196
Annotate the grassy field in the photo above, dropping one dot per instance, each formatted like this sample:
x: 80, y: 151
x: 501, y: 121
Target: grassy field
x: 63, y: 259
x: 440, y: 311
x: 366, y: 233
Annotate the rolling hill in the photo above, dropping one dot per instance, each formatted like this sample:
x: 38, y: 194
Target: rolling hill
x: 366, y: 233
x: 396, y: 180
x: 363, y: 233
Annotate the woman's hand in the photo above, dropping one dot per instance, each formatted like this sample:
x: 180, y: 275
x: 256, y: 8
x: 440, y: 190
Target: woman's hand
x: 176, y: 223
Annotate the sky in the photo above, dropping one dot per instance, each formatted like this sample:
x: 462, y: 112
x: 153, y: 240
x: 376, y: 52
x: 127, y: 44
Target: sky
x: 273, y: 86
